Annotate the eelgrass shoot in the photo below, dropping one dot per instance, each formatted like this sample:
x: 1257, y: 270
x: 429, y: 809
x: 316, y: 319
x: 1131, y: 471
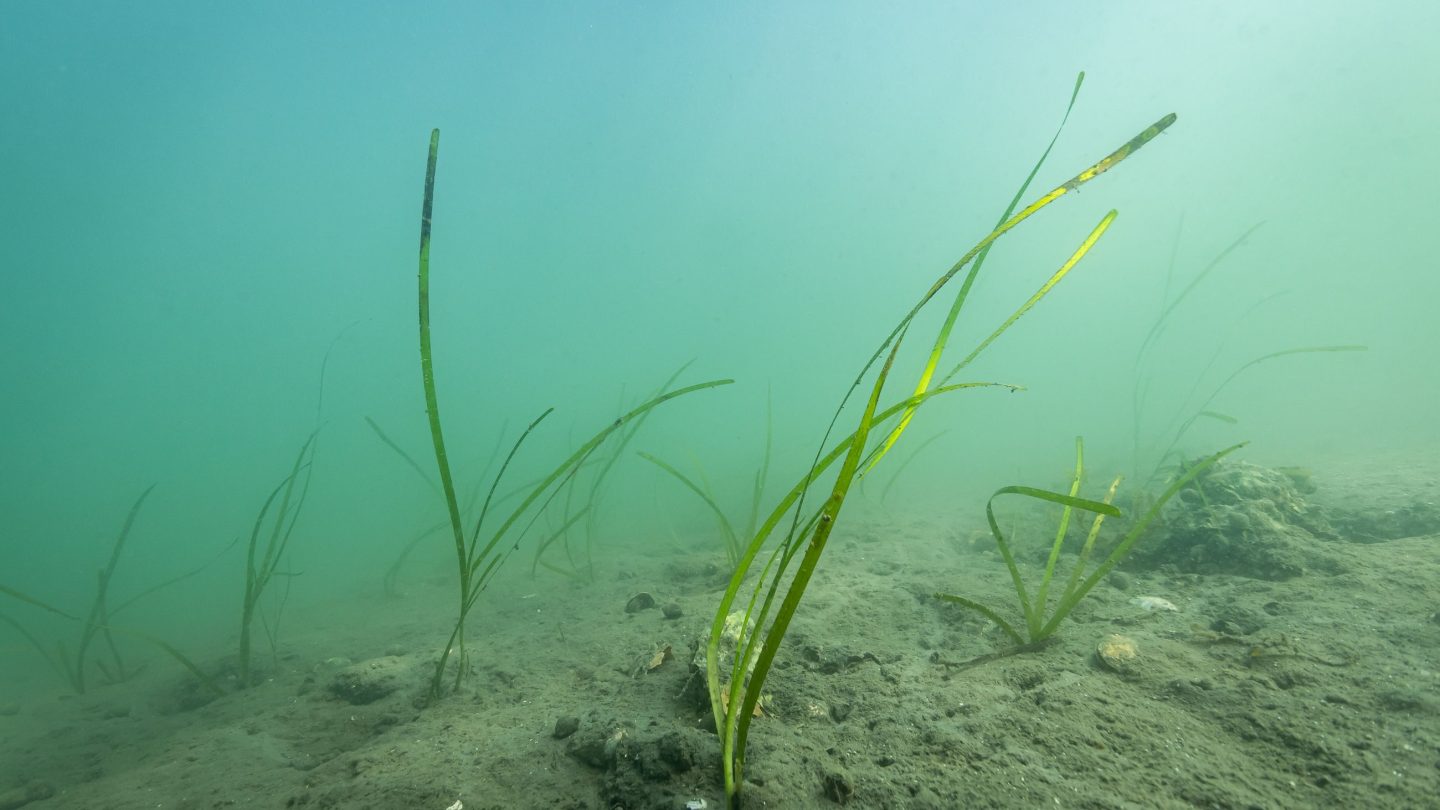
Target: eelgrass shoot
x: 1204, y: 411
x: 98, y: 619
x: 1039, y: 621
x: 262, y: 562
x: 478, y: 557
x: 728, y: 536
x: 733, y: 540
x: 98, y: 622
x: 904, y: 464
x: 1193, y: 408
x: 762, y: 621
x: 581, y: 508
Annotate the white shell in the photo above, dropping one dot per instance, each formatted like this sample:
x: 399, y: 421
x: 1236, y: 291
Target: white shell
x: 1153, y: 603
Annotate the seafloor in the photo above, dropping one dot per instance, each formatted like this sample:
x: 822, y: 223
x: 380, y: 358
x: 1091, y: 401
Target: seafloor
x: 1304, y: 676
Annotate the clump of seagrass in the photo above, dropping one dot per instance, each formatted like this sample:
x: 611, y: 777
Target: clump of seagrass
x: 1039, y: 621
x: 99, y: 623
x: 790, y: 562
x: 1148, y: 465
x: 262, y: 561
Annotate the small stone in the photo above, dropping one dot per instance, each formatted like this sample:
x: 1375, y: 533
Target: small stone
x: 677, y: 752
x: 640, y: 601
x: 591, y: 750
x: 672, y: 611
x: 565, y: 726
x: 368, y: 681
x: 838, y: 788
x: 1118, y: 653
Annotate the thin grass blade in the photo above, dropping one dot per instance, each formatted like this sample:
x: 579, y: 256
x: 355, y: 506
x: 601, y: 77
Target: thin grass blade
x: 942, y: 338
x: 1123, y: 547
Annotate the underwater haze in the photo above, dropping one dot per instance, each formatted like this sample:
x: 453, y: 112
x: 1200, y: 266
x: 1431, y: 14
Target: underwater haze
x: 208, y: 259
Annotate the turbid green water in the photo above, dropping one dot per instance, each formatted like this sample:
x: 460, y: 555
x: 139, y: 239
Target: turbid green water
x: 205, y: 207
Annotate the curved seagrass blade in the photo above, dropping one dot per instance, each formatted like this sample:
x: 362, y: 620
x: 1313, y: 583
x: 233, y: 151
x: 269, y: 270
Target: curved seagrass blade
x: 733, y: 711
x: 943, y: 337
x: 1205, y: 412
x: 1104, y: 165
x: 1084, y: 248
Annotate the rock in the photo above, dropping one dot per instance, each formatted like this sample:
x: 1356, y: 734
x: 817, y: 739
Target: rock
x: 1235, y: 620
x: 672, y: 611
x: 833, y: 659
x: 565, y: 726
x: 25, y: 794
x: 696, y: 690
x: 369, y: 681
x: 1241, y: 519
x: 838, y: 788
x: 679, y: 753
x: 591, y: 751
x: 596, y: 747
x: 640, y: 601
x: 1118, y: 653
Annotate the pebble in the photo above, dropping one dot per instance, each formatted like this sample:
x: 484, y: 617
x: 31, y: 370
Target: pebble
x: 640, y: 601
x: 565, y: 726
x: 1118, y: 653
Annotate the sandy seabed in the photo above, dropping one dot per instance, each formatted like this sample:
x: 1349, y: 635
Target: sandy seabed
x: 1316, y: 690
